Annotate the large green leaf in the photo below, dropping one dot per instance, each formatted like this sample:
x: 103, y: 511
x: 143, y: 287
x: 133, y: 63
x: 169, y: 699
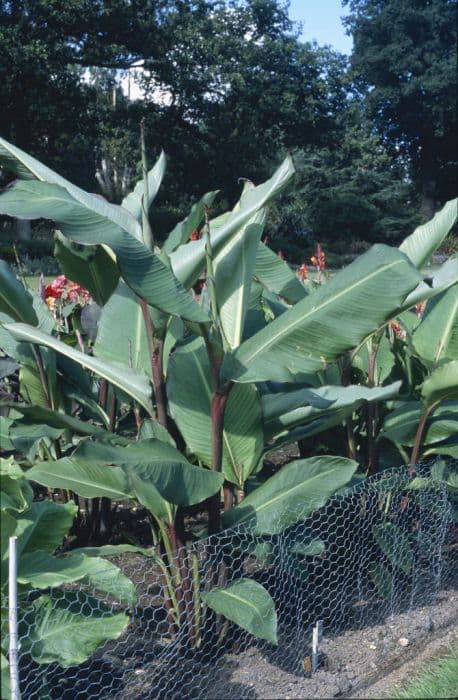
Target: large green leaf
x: 44, y: 526
x: 159, y: 463
x: 287, y: 410
x: 276, y: 275
x: 42, y: 570
x: 248, y: 604
x: 85, y: 478
x: 422, y: 243
x: 339, y: 315
x: 400, y: 426
x: 133, y: 201
x: 123, y: 341
x: 67, y: 629
x: 54, y: 419
x: 233, y: 272
x: 143, y: 271
x: 292, y: 494
x: 132, y: 383
x: 442, y: 384
x: 189, y: 392
x: 394, y: 544
x: 183, y: 229
x: 439, y: 281
x: 5, y: 678
x: 91, y: 267
x: 188, y: 261
x: 436, y: 337
x: 14, y: 299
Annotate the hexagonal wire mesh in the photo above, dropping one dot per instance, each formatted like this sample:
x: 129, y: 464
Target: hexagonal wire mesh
x: 372, y: 551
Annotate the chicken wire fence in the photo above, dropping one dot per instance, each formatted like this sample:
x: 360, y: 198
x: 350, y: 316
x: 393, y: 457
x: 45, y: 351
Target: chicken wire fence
x: 380, y: 548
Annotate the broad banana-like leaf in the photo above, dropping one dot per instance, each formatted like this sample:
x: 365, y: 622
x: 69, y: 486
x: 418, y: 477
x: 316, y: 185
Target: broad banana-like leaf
x: 159, y: 463
x: 400, y: 426
x: 15, y: 491
x: 96, y: 207
x: 382, y: 579
x: 91, y: 267
x: 44, y: 526
x: 276, y: 275
x: 26, y: 438
x: 285, y: 411
x: 291, y: 495
x: 133, y: 201
x: 15, y: 301
x: 180, y: 234
x: 189, y: 392
x: 436, y: 337
x: 5, y: 677
x: 188, y: 261
x: 132, y: 383
x: 42, y: 570
x: 327, y: 323
x: 442, y: 384
x: 54, y: 419
x: 125, y: 341
x: 65, y: 629
x: 233, y: 271
x: 248, y: 604
x: 143, y: 271
x: 445, y: 277
x: 422, y: 243
x: 395, y: 545
x: 86, y: 478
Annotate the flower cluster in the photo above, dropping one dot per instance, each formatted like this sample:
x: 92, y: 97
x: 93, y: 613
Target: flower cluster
x: 319, y: 259
x: 195, y: 235
x: 303, y: 272
x: 65, y: 291
x: 398, y: 330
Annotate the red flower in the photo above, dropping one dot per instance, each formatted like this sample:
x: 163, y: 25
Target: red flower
x: 280, y: 255
x: 265, y: 240
x: 398, y: 330
x: 303, y: 272
x: 319, y: 259
x: 195, y: 235
x: 419, y: 308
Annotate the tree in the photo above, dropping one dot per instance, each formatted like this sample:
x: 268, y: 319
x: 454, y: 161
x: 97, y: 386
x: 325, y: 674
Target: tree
x: 405, y: 57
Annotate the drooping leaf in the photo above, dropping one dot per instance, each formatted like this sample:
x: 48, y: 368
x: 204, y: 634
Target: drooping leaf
x: 87, y: 224
x: 286, y: 410
x: 42, y: 570
x: 395, y: 545
x: 188, y: 261
x: 422, y: 243
x: 180, y: 234
x: 292, y: 494
x: 132, y: 383
x: 44, y: 526
x: 159, y: 463
x: 90, y: 267
x: 442, y: 384
x: 189, y: 393
x: 5, y: 677
x: 133, y: 201
x: 332, y: 320
x: 85, y: 478
x: 15, y: 301
x: 16, y: 493
x: 248, y: 604
x: 439, y: 282
x: 400, y: 425
x: 67, y: 629
x: 436, y: 337
x: 276, y: 275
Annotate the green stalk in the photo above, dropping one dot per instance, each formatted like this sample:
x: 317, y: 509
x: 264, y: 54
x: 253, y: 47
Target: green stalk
x: 196, y: 590
x: 418, y: 438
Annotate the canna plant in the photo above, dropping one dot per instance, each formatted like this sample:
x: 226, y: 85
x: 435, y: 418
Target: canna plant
x: 179, y: 397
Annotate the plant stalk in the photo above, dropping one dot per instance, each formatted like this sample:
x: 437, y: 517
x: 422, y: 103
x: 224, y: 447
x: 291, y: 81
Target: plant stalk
x: 418, y: 439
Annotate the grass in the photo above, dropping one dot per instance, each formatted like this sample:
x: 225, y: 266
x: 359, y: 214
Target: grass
x: 440, y: 682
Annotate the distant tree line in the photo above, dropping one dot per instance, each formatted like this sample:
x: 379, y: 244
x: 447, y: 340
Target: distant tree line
x: 229, y: 88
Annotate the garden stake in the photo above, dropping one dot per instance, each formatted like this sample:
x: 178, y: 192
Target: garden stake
x: 316, y: 637
x: 12, y: 620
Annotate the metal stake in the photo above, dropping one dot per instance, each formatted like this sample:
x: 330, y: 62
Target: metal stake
x: 12, y: 620
x: 316, y: 638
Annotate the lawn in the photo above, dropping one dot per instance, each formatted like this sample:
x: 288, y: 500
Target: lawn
x: 440, y: 682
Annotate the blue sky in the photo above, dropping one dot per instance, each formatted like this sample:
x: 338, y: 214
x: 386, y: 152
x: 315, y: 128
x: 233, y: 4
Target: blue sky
x: 321, y: 20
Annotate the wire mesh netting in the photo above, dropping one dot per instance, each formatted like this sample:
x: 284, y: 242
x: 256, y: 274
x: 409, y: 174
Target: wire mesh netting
x: 382, y: 548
